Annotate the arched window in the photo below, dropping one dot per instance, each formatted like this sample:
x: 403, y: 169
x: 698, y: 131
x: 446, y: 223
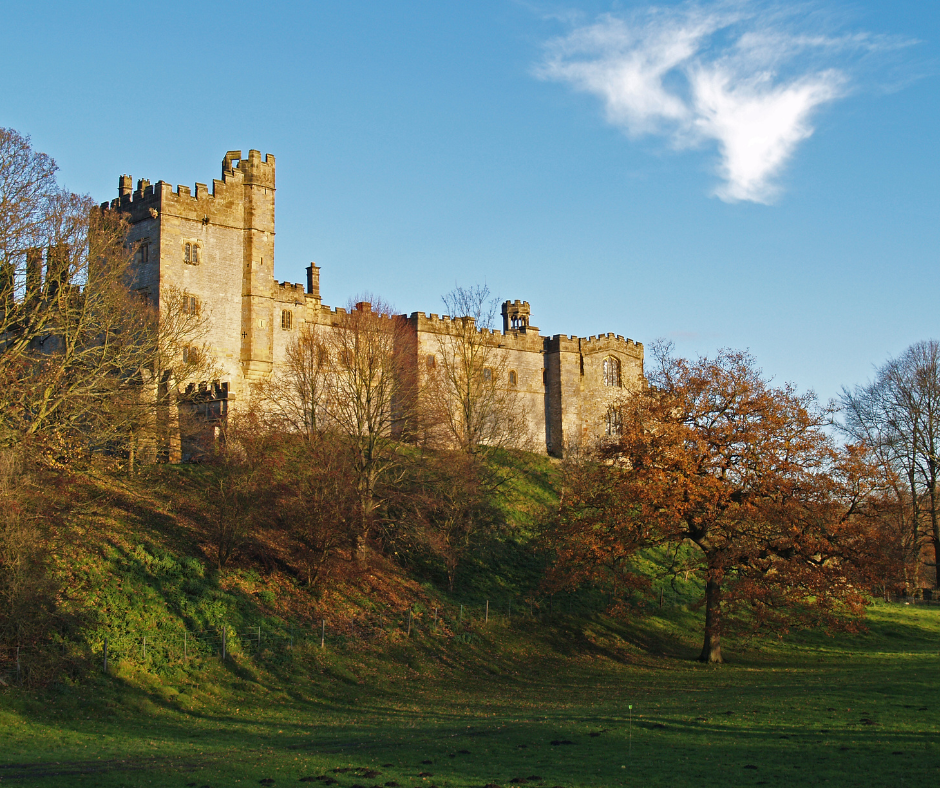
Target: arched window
x: 191, y: 253
x: 613, y: 426
x: 612, y: 371
x: 512, y: 377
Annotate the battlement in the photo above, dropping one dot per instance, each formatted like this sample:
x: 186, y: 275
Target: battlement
x: 561, y: 343
x: 252, y: 171
x: 438, y: 323
x: 290, y: 292
x: 611, y: 342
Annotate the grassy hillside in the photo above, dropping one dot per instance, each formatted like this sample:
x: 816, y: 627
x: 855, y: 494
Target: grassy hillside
x: 414, y: 686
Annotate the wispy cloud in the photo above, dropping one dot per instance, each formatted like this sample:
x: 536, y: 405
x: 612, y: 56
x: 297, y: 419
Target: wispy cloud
x: 747, y: 78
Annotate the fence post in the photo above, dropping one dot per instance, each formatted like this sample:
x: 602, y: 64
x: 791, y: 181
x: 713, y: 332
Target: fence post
x: 323, y: 634
x: 105, y: 655
x: 259, y: 638
x: 224, y: 642
x: 486, y: 613
x: 409, y: 622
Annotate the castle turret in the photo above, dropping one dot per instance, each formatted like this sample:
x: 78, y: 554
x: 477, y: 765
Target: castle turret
x: 515, y: 316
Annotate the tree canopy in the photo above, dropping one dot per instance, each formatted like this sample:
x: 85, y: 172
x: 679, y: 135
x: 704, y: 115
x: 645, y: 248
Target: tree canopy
x: 714, y: 458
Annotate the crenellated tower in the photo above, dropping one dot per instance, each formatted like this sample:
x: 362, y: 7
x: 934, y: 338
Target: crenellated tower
x: 215, y: 246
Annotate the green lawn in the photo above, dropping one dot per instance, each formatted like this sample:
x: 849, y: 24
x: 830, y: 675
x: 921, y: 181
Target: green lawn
x: 545, y: 704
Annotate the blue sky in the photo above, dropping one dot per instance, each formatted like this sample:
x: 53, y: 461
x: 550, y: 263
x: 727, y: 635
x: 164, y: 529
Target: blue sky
x: 735, y: 174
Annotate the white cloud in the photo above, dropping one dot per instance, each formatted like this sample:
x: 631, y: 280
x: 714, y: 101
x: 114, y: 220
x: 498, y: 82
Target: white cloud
x: 734, y: 74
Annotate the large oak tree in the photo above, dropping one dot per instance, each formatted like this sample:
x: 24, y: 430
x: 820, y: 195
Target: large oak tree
x: 713, y: 457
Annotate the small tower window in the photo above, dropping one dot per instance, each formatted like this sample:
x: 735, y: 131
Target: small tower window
x: 190, y: 355
x: 613, y: 425
x: 512, y: 377
x: 191, y: 253
x: 612, y: 371
x: 190, y: 305
x: 287, y: 319
x: 487, y: 374
x: 432, y: 361
x: 143, y: 253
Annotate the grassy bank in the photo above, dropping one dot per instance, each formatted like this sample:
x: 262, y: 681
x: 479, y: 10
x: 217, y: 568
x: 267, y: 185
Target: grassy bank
x: 545, y: 702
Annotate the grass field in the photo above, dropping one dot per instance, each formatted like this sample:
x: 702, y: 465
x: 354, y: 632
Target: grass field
x: 534, y: 703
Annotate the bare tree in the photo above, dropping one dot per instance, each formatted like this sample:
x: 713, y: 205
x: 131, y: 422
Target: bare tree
x: 468, y: 389
x: 295, y: 397
x: 898, y: 416
x: 369, y: 400
x: 84, y: 358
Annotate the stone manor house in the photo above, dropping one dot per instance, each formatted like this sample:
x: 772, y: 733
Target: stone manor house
x: 217, y: 247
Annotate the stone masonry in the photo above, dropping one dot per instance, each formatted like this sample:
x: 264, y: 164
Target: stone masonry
x: 217, y: 246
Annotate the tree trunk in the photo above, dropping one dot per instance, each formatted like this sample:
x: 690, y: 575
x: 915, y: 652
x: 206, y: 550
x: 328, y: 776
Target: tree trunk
x: 360, y: 548
x: 711, y: 649
x: 935, y: 539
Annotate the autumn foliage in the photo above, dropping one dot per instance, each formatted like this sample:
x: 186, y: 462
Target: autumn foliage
x: 739, y: 477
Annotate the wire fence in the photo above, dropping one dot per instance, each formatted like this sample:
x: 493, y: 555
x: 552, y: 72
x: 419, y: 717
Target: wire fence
x: 161, y: 648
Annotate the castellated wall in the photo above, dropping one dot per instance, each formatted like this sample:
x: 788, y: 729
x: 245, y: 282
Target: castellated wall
x: 514, y: 354
x: 217, y: 245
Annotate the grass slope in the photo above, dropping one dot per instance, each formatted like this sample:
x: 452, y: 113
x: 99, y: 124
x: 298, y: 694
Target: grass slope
x: 540, y: 702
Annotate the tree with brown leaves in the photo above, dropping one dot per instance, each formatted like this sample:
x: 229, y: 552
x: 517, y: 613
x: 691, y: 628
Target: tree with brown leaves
x: 713, y: 457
